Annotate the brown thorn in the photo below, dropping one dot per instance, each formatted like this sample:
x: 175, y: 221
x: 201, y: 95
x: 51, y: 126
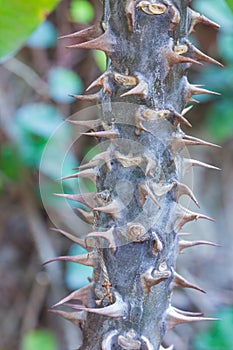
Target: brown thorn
x: 175, y: 317
x: 88, y: 216
x: 188, y: 244
x: 112, y: 208
x: 118, y: 309
x: 188, y: 163
x: 90, y: 98
x: 109, y: 134
x: 84, y: 198
x: 140, y: 89
x: 108, y: 235
x: 90, y: 174
x: 105, y: 42
x: 180, y: 282
x: 198, y: 18
x: 84, y: 259
x: 85, y: 295
x: 182, y: 189
x: 73, y: 238
x: 87, y: 33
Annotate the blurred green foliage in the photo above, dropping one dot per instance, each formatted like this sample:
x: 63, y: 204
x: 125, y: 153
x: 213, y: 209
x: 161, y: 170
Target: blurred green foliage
x: 18, y: 18
x: 38, y: 340
x: 81, y: 11
x: 219, y: 336
x: 219, y: 117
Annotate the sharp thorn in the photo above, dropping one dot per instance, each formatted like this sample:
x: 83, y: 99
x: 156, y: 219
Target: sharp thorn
x: 118, y: 309
x: 87, y: 33
x: 73, y: 238
x: 109, y: 134
x: 180, y: 282
x: 76, y: 318
x: 183, y: 244
x: 84, y: 259
x: 85, y: 295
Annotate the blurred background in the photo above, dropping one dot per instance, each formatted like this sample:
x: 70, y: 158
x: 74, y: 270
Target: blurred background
x: 34, y: 102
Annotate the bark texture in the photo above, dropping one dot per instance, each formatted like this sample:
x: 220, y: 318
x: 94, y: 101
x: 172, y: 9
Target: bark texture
x: 135, y: 211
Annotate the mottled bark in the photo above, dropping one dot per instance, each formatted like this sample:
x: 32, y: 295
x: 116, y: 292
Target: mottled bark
x: 139, y: 174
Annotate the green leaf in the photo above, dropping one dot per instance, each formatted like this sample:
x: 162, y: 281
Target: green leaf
x: 44, y: 36
x: 219, y: 335
x: 82, y: 11
x: 100, y: 59
x: 62, y: 82
x: 18, y: 19
x: 230, y: 4
x: 76, y: 275
x: 9, y: 161
x: 38, y: 340
x: 220, y: 120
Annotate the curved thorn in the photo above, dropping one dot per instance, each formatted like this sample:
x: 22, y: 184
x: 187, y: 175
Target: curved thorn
x: 73, y: 238
x: 118, y: 309
x: 182, y: 189
x: 85, y: 295
x: 88, y: 259
x: 90, y: 98
x: 87, y: 33
x: 188, y: 244
x: 175, y: 317
x: 180, y: 282
x: 104, y: 42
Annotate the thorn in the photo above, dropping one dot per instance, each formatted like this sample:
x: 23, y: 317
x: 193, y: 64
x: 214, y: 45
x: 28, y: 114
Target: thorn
x: 175, y: 317
x: 140, y: 89
x: 195, y: 90
x: 112, y: 208
x: 152, y: 277
x: 160, y: 188
x: 108, y: 235
x: 85, y: 295
x: 95, y: 161
x: 108, y: 134
x: 88, y: 216
x: 199, y: 55
x: 104, y: 42
x: 108, y: 339
x: 198, y: 18
x: 101, y: 81
x: 90, y: 98
x: 144, y: 191
x: 182, y: 189
x: 188, y: 244
x: 128, y: 342
x: 90, y: 124
x: 73, y: 238
x: 88, y: 259
x: 182, y: 119
x: 190, y: 140
x: 147, y: 343
x: 84, y: 198
x: 174, y: 58
x: 180, y: 282
x: 186, y: 110
x: 188, y: 163
x: 118, y: 309
x: 184, y: 216
x: 151, y: 8
x: 77, y: 318
x: 87, y: 33
x: 90, y: 174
